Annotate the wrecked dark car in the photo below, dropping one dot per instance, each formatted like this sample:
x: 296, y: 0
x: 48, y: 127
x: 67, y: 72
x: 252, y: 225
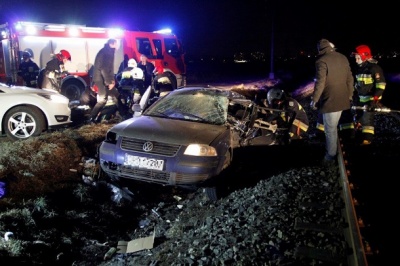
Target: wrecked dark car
x: 188, y: 137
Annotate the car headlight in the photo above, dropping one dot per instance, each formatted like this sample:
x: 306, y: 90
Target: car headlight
x: 200, y: 150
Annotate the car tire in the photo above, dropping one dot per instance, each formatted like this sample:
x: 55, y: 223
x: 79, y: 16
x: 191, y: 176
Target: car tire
x: 23, y: 122
x: 215, y: 191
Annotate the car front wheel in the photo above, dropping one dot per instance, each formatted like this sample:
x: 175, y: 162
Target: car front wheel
x: 23, y: 122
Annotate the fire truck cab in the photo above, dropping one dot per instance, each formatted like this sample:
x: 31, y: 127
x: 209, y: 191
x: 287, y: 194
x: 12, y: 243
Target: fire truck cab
x: 42, y: 40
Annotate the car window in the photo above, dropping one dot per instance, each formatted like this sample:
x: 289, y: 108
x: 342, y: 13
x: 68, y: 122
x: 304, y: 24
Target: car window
x: 199, y: 106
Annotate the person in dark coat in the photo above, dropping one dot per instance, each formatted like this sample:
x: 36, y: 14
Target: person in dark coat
x: 333, y: 92
x: 103, y: 77
x: 148, y: 70
x: 124, y: 63
x: 28, y: 70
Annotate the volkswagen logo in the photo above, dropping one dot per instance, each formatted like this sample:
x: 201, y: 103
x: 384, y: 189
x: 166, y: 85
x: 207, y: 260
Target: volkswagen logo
x: 147, y: 146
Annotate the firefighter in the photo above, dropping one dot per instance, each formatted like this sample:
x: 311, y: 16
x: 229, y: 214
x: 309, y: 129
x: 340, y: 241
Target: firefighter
x: 370, y: 84
x: 161, y: 82
x: 277, y: 99
x: 129, y: 74
x: 131, y: 79
x: 89, y: 96
x: 28, y: 70
x: 54, y: 71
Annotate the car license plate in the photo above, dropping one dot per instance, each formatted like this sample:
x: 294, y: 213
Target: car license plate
x: 144, y: 162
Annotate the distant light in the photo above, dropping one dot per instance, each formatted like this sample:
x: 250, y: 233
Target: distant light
x: 3, y: 34
x: 163, y: 31
x: 115, y: 33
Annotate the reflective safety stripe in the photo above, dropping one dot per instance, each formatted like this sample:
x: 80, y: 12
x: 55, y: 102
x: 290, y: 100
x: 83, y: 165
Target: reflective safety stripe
x: 300, y: 126
x: 346, y: 126
x: 320, y: 127
x: 368, y: 130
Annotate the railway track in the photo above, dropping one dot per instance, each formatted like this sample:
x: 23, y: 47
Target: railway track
x: 352, y: 233
x: 366, y: 176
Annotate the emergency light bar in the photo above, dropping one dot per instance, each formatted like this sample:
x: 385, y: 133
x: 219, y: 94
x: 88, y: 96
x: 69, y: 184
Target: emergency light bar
x: 115, y: 33
x: 54, y: 28
x: 31, y: 28
x: 74, y: 32
x: 93, y: 30
x: 163, y: 31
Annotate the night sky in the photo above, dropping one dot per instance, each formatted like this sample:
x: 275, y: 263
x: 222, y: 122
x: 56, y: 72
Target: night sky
x: 223, y: 27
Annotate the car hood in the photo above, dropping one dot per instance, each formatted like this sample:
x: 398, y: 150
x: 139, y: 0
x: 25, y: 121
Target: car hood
x: 24, y: 90
x: 168, y: 130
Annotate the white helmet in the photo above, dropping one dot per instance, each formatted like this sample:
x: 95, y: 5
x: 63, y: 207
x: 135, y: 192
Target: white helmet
x: 132, y: 63
x: 274, y: 94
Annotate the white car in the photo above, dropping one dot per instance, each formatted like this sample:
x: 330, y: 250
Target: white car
x: 26, y: 112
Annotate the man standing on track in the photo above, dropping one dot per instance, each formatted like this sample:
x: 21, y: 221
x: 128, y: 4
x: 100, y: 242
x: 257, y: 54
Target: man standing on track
x: 333, y: 92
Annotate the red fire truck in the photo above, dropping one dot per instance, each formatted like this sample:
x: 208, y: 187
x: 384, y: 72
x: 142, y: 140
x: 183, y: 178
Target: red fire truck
x: 42, y: 40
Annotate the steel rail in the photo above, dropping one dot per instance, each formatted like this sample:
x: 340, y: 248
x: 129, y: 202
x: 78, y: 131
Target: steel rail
x: 352, y: 232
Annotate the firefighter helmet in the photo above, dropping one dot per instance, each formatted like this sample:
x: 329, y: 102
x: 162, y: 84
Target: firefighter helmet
x: 364, y: 52
x: 274, y: 94
x: 26, y: 54
x: 132, y: 63
x: 64, y: 54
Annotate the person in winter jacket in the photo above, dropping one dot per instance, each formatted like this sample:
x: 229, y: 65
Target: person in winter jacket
x: 333, y: 92
x: 370, y: 85
x: 103, y: 77
x: 124, y: 63
x: 28, y: 70
x: 54, y: 71
x: 148, y: 70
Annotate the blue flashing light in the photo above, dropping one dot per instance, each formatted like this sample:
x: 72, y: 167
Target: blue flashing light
x: 115, y: 33
x: 164, y: 31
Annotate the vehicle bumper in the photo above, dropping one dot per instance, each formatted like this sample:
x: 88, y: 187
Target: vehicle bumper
x: 179, y: 170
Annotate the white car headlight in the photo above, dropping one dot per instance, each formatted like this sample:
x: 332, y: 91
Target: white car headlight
x: 200, y: 150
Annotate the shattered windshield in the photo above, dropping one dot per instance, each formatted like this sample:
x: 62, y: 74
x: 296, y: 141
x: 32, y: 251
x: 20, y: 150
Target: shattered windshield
x: 199, y: 105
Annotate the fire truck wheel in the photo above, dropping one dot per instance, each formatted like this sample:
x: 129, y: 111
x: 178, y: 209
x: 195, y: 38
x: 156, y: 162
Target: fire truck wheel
x: 72, y: 89
x: 23, y: 122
